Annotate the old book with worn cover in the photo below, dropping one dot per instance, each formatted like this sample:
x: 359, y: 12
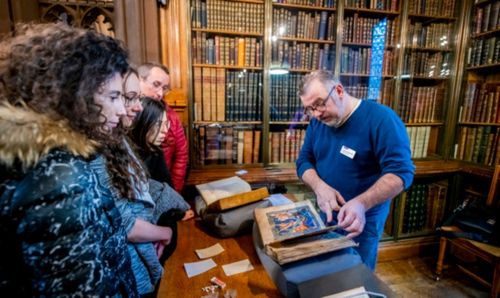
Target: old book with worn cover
x: 229, y: 193
x: 295, y: 231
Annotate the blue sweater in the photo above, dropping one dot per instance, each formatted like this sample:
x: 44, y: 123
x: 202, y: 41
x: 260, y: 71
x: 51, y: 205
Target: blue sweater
x: 380, y: 142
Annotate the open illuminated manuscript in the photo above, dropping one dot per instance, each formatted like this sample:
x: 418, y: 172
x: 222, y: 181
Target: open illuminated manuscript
x: 295, y: 231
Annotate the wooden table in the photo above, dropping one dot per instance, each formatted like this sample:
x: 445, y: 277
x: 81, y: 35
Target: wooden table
x: 175, y: 283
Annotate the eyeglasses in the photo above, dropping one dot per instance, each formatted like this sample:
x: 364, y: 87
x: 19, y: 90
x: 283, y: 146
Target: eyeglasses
x: 165, y: 89
x: 132, y: 98
x: 320, y: 107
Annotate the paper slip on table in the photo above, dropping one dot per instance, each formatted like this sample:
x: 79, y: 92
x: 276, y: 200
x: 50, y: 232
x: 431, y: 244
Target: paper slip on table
x: 175, y: 283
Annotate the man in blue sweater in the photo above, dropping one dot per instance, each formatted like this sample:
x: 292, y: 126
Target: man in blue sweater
x: 356, y: 157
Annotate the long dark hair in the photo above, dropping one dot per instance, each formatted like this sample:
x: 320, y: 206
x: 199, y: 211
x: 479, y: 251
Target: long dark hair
x: 55, y: 69
x: 146, y: 122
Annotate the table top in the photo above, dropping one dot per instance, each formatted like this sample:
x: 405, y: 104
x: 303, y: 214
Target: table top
x: 255, y: 283
x: 175, y: 283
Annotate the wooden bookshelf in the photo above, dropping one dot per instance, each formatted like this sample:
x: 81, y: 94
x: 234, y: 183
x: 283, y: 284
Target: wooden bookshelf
x: 477, y: 134
x: 372, y: 11
x: 228, y: 32
x: 432, y: 124
x: 227, y: 66
x: 306, y: 40
x: 304, y: 7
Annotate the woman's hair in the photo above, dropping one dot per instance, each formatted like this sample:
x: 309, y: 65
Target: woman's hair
x: 146, y: 122
x: 130, y: 70
x: 55, y: 69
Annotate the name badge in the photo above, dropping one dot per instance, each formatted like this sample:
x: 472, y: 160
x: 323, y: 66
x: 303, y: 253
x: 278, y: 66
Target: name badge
x: 347, y: 152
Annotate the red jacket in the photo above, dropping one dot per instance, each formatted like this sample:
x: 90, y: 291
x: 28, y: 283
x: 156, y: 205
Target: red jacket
x: 175, y: 150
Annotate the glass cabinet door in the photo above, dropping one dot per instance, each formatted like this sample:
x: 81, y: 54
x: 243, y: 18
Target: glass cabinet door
x: 227, y: 73
x: 478, y: 130
x: 427, y: 75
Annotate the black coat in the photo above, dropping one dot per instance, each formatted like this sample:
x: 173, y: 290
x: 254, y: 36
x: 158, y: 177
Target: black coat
x: 60, y: 231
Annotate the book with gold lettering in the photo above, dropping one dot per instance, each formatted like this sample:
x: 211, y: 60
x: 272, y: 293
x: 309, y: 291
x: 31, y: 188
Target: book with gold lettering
x: 295, y: 231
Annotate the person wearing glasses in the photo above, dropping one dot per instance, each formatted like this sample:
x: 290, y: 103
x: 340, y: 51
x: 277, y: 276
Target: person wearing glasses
x: 155, y: 83
x: 140, y: 211
x: 132, y: 96
x: 356, y: 158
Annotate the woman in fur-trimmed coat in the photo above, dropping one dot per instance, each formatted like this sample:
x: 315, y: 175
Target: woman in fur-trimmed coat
x: 61, y: 234
x: 55, y: 217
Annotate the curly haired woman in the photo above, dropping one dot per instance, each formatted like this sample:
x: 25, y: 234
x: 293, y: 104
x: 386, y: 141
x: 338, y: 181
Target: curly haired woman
x: 60, y: 102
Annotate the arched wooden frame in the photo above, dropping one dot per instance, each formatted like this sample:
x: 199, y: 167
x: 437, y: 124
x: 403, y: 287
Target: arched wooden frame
x: 46, y: 15
x: 90, y: 14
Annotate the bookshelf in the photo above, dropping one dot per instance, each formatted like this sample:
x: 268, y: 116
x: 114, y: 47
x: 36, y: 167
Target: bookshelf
x: 428, y: 73
x: 404, y: 54
x: 303, y: 38
x: 415, y: 73
x: 421, y: 208
x: 370, y: 33
x: 227, y: 47
x: 477, y: 137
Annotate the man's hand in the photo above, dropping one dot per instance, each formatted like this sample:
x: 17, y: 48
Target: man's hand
x: 352, y: 218
x: 329, y: 199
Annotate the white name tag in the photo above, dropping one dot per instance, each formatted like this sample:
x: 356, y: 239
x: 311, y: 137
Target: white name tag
x: 347, y: 152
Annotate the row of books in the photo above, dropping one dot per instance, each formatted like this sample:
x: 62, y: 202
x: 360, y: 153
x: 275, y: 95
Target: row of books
x: 358, y: 29
x: 429, y: 65
x: 479, y: 144
x: 419, y: 140
x: 361, y: 90
x: 285, y: 104
x: 226, y: 144
x: 391, y: 5
x: 486, y: 18
x: 434, y: 35
x: 359, y: 60
x: 299, y: 55
x: 481, y: 103
x: 221, y: 95
x: 301, y: 24
x: 421, y: 104
x: 424, y: 207
x: 284, y: 146
x: 484, y: 52
x: 432, y: 7
x: 243, y: 96
x: 227, y: 15
x: 220, y: 50
x: 315, y: 3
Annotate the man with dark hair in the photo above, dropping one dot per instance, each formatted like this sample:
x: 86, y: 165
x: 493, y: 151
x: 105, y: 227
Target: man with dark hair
x: 356, y: 158
x: 155, y: 83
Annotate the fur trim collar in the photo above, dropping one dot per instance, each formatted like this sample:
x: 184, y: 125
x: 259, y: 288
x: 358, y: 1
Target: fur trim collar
x: 26, y: 135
